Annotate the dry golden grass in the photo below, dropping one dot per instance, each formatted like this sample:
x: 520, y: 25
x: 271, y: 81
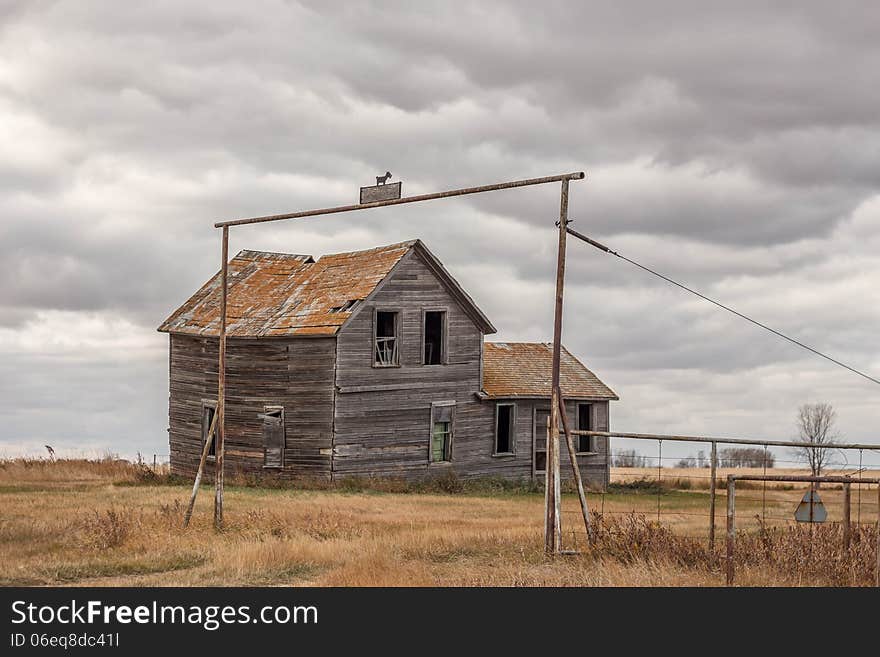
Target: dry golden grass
x: 104, y: 523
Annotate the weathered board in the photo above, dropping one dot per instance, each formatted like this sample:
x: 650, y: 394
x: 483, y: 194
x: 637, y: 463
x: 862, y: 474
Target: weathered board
x: 291, y: 373
x: 387, y: 192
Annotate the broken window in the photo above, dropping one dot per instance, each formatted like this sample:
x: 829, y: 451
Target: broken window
x: 273, y: 437
x: 504, y: 429
x: 434, y: 329
x: 585, y: 423
x: 442, y: 428
x: 208, y: 411
x: 386, y: 342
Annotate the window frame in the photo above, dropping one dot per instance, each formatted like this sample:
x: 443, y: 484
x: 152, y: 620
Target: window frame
x: 535, y: 411
x: 398, y: 335
x: 591, y: 440
x: 271, y: 408
x: 512, y: 437
x: 206, y: 404
x: 451, y: 445
x: 444, y: 338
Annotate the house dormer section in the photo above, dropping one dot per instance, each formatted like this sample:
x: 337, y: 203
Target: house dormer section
x: 417, y: 325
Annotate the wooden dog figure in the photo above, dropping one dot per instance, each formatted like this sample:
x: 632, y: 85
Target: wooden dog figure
x: 381, y: 180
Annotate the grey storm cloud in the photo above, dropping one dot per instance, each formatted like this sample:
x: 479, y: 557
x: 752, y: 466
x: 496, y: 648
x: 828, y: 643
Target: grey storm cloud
x: 735, y: 147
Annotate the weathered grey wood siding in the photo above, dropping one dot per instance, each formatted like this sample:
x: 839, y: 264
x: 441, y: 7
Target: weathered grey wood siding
x: 294, y: 373
x: 594, y: 469
x: 384, y: 428
x: 481, y: 443
x: 383, y: 415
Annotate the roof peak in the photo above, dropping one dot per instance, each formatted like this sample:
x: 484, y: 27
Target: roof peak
x: 385, y: 247
x: 251, y: 254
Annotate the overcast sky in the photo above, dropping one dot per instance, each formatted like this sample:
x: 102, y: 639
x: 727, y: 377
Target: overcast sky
x: 736, y: 149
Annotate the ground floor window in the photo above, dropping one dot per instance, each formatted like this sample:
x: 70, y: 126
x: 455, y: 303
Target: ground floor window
x: 442, y: 431
x: 273, y: 437
x: 542, y: 417
x: 585, y: 423
x: 505, y: 442
x: 208, y: 411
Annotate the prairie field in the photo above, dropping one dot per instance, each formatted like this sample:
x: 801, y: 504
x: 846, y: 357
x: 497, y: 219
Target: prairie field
x: 110, y: 523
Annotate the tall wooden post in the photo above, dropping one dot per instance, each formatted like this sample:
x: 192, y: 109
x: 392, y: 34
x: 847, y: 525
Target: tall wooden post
x: 847, y: 515
x: 712, y: 474
x: 552, y: 492
x: 221, y: 385
x: 731, y: 526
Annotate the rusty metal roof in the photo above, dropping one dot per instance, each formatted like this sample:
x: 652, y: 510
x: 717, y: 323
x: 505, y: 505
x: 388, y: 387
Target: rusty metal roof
x: 523, y: 369
x: 281, y: 294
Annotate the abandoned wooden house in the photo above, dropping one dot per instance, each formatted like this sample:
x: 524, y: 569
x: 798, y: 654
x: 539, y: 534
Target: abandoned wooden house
x: 371, y: 363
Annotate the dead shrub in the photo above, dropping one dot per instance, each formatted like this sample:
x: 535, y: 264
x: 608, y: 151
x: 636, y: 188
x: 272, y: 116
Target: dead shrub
x: 815, y: 554
x: 633, y: 537
x: 105, y: 530
x: 171, y: 514
x: 795, y: 554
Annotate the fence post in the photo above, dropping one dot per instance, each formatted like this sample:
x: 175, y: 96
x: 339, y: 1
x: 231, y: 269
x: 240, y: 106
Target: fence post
x: 659, y: 478
x: 846, y: 517
x: 731, y: 527
x: 712, y: 473
x: 877, y: 569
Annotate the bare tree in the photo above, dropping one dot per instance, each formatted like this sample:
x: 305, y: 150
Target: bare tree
x: 746, y: 457
x: 815, y: 424
x: 629, y: 458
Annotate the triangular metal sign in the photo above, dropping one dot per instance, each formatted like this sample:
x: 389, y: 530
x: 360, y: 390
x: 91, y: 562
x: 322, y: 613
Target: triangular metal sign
x: 802, y: 513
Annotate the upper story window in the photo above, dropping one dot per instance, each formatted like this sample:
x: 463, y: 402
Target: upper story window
x: 386, y: 347
x: 585, y: 423
x: 434, y: 330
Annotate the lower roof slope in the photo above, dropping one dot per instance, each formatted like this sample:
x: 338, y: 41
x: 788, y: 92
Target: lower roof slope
x: 523, y: 369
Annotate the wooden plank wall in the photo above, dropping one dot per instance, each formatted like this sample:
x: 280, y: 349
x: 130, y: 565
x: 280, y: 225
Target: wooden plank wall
x: 294, y: 373
x: 519, y: 466
x: 594, y: 470
x: 386, y: 432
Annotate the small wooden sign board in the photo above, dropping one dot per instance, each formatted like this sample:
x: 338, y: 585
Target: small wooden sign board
x: 803, y: 514
x: 387, y: 192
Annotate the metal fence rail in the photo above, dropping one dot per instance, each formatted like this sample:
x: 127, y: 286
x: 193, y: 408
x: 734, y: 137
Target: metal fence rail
x: 847, y: 482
